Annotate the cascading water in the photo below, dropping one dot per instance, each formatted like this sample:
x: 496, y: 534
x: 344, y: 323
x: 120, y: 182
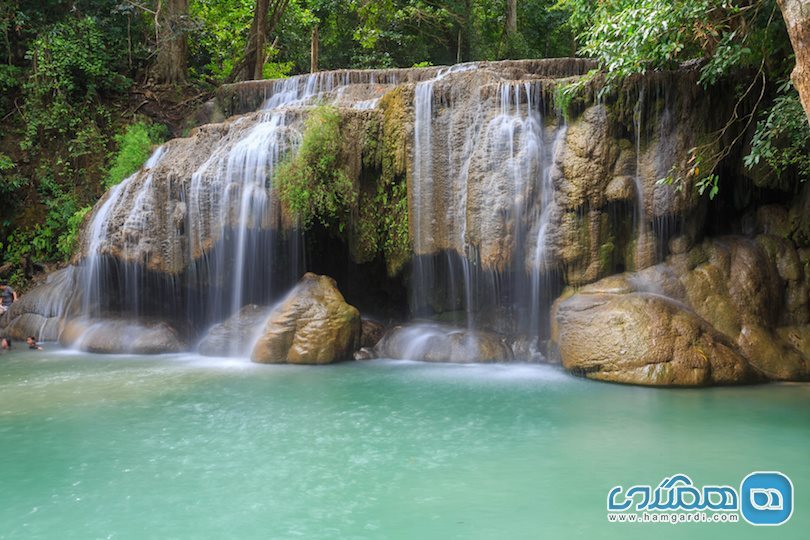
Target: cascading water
x: 226, y: 220
x: 95, y: 276
x: 505, y: 142
x: 231, y: 190
x: 198, y: 234
x: 425, y: 210
x: 539, y: 263
x: 640, y: 215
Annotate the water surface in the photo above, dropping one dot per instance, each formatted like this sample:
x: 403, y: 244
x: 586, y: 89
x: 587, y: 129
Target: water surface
x: 184, y: 447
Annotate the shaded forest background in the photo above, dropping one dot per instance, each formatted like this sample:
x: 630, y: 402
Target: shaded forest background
x: 87, y: 87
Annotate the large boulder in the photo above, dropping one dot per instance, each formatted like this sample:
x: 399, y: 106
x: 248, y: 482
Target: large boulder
x: 312, y: 325
x: 645, y: 339
x: 120, y: 336
x: 443, y: 343
x: 748, y: 295
x: 235, y: 336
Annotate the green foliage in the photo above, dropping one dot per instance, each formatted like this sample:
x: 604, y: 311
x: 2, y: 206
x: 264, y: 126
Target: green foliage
x: 401, y: 33
x: 782, y: 137
x: 700, y: 168
x: 566, y: 94
x: 383, y: 214
x: 542, y: 32
x: 11, y: 182
x: 66, y: 244
x: 71, y: 63
x: 134, y: 148
x: 312, y: 183
x: 9, y: 77
x: 72, y: 58
x: 5, y: 163
x: 218, y: 36
x: 632, y: 36
x: 277, y: 70
x: 709, y: 183
x: 17, y: 247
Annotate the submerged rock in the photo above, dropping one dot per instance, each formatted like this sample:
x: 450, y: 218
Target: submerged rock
x: 443, y: 343
x: 371, y: 334
x: 365, y: 353
x: 119, y: 336
x: 313, y: 325
x: 235, y: 336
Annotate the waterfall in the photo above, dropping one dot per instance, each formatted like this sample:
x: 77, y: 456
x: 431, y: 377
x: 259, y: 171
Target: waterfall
x: 426, y: 275
x: 232, y: 191
x: 94, y: 276
x: 640, y: 215
x: 198, y: 234
x: 225, y: 220
x: 492, y: 141
x: 539, y: 262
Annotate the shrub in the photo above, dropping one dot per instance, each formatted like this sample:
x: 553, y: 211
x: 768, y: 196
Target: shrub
x: 67, y: 240
x: 134, y: 148
x: 311, y: 183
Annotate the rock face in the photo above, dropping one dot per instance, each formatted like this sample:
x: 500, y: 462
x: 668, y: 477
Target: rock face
x: 121, y: 337
x: 313, y: 325
x: 443, y: 343
x: 564, y: 178
x: 737, y: 301
x: 39, y: 312
x: 496, y: 182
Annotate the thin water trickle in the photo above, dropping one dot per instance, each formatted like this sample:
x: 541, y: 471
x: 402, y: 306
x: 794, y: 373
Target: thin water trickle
x: 640, y: 215
x: 93, y: 274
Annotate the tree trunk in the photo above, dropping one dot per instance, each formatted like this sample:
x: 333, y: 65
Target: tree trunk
x: 254, y: 56
x: 313, y: 51
x: 170, y: 67
x: 797, y: 20
x: 511, y: 17
x: 262, y: 26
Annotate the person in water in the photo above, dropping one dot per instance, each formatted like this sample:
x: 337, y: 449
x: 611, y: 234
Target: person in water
x: 5, y: 344
x: 32, y: 343
x: 7, y: 297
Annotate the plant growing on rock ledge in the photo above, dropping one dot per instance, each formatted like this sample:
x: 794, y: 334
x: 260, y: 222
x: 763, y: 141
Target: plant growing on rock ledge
x: 311, y: 183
